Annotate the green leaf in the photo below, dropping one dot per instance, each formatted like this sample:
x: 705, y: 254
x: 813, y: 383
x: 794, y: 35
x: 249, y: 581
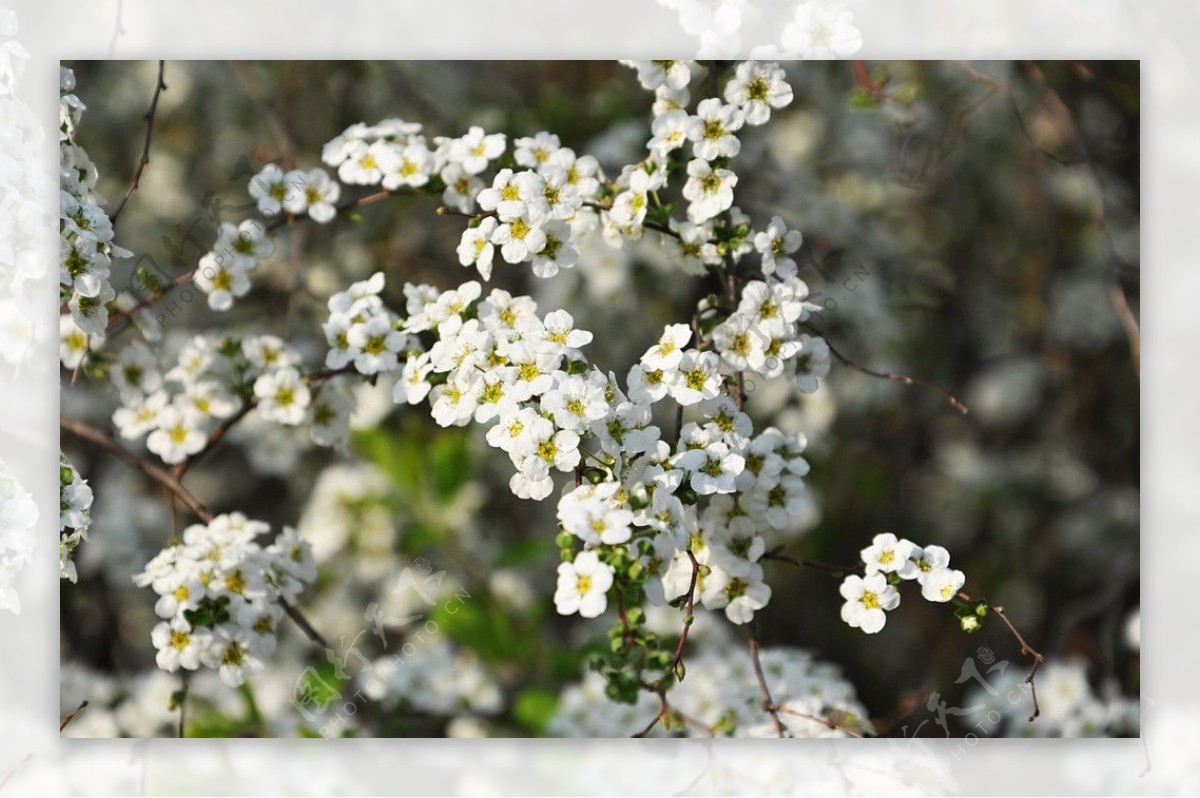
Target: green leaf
x: 534, y: 708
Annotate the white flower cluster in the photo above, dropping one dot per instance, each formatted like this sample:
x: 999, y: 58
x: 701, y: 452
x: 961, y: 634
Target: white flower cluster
x: 86, y: 244
x: 722, y: 694
x: 18, y: 514
x: 224, y: 272
x: 526, y: 379
x: 219, y: 594
x: 889, y: 561
x: 436, y: 678
x: 709, y: 134
x: 74, y: 515
x: 214, y: 379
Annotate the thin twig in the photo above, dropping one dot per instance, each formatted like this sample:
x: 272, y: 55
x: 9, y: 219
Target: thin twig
x: 1029, y: 651
x: 276, y: 223
x: 887, y: 375
x: 837, y: 571
x: 1026, y: 650
x: 691, y: 615
x: 103, y: 439
x: 70, y: 716
x: 159, y: 88
x: 768, y: 704
x: 183, y: 694
x: 827, y: 722
x: 302, y: 622
x: 665, y: 710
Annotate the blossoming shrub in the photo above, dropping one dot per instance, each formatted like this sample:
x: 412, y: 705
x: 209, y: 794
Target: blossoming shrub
x: 668, y: 495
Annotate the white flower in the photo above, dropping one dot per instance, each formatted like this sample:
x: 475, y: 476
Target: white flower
x: 886, y: 554
x: 509, y: 194
x: 557, y: 253
x: 476, y: 149
x: 221, y: 282
x: 476, y: 247
x: 269, y: 188
x: 519, y: 240
x: 654, y: 74
x: 714, y: 468
x: 925, y: 561
x: 741, y: 342
x: 413, y: 168
x: 283, y: 396
x: 179, y: 646
x: 711, y: 130
x: 667, y: 353
x: 775, y: 244
x: 737, y: 586
x: 670, y: 132
x: 822, y: 31
x: 232, y: 654
x: 697, y: 378
x: 243, y: 246
x: 314, y: 192
x: 178, y: 435
x: 576, y: 401
x: 942, y: 585
x: 582, y: 585
x: 560, y: 334
x: 756, y: 89
x: 709, y: 191
x: 866, y: 600
x: 812, y: 363
x: 533, y: 151
x: 377, y: 343
x: 74, y: 343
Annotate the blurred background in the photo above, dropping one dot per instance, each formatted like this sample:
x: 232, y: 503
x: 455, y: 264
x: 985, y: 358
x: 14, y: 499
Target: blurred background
x: 975, y: 225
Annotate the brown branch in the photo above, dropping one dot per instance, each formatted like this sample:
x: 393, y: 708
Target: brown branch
x: 183, y: 694
x: 1026, y: 650
x: 862, y: 79
x: 670, y: 713
x: 837, y: 571
x: 104, y: 440
x: 1132, y: 331
x: 272, y: 225
x: 159, y: 87
x: 70, y: 716
x: 824, y: 721
x: 768, y: 704
x: 887, y: 375
x: 690, y: 617
x: 302, y: 622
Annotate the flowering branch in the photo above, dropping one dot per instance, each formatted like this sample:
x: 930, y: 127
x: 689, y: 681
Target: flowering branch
x: 159, y: 88
x: 104, y: 440
x: 1026, y: 650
